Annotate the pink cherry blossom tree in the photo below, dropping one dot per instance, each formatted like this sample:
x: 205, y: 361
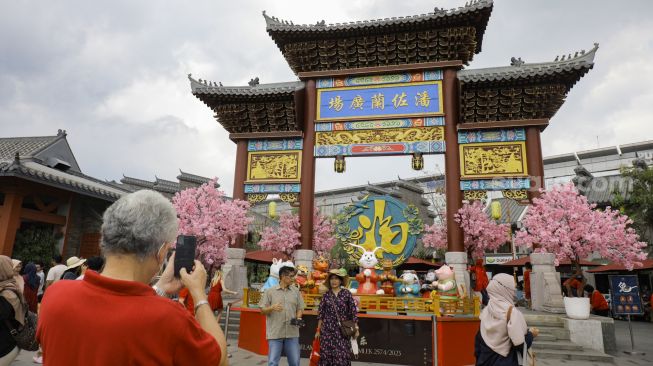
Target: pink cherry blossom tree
x: 286, y: 237
x: 480, y: 233
x: 562, y: 222
x: 216, y: 221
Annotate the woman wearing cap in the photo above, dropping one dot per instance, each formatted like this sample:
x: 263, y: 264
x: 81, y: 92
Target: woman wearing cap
x: 503, y: 330
x: 337, y: 305
x: 73, y: 268
x: 12, y: 309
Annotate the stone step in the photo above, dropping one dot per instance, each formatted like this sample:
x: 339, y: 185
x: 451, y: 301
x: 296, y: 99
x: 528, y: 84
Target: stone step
x: 542, y: 318
x: 545, y: 323
x: 559, y: 333
x: 584, y: 355
x: 546, y: 338
x: 539, y: 344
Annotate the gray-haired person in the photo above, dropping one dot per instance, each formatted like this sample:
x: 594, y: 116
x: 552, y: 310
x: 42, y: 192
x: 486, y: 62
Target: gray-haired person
x: 116, y: 318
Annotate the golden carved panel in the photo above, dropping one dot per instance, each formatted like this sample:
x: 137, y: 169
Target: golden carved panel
x: 519, y: 194
x: 474, y: 195
x: 274, y: 166
x: 483, y: 160
x: 415, y: 134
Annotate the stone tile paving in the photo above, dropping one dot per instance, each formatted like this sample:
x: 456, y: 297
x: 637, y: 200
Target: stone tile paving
x: 643, y: 333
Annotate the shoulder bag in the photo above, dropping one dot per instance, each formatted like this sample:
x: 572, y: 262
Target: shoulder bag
x: 347, y: 327
x: 528, y: 357
x: 25, y: 335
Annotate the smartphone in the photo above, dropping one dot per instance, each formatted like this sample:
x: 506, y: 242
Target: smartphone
x: 185, y: 253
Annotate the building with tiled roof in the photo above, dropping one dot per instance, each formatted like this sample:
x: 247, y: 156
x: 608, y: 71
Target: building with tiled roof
x: 42, y: 186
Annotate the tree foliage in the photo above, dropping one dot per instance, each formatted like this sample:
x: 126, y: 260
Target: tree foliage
x: 35, y: 243
x: 286, y: 237
x: 562, y: 222
x: 216, y: 221
x: 638, y: 203
x: 480, y: 232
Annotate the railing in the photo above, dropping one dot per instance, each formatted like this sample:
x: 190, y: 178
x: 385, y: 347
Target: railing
x: 381, y: 303
x: 226, y: 323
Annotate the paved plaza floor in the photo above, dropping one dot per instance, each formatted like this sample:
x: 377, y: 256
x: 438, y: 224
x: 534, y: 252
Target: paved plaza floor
x: 642, y: 331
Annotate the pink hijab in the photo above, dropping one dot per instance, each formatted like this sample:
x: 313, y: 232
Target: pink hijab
x: 9, y: 288
x: 497, y: 332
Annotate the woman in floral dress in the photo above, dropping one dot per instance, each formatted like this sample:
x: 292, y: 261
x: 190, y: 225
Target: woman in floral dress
x: 335, y: 349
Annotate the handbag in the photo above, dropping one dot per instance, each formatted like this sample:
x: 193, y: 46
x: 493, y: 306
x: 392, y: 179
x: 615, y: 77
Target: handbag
x: 528, y: 356
x: 347, y: 327
x: 25, y: 335
x: 315, y: 353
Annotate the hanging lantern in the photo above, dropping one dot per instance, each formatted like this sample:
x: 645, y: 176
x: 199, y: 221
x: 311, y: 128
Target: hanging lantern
x: 272, y: 210
x: 339, y: 164
x: 495, y: 209
x: 418, y: 161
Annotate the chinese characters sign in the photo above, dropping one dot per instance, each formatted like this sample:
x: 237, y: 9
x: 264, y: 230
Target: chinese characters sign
x: 380, y: 101
x: 625, y: 295
x: 380, y: 221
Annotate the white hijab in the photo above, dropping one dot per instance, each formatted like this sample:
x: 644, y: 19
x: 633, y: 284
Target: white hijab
x: 497, y: 332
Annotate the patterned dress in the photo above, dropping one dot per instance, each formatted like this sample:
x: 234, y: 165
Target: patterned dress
x: 335, y: 349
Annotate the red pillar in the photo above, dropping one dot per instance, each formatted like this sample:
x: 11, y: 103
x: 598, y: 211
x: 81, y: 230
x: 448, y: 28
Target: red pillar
x: 307, y: 195
x: 240, y: 175
x: 452, y: 160
x: 9, y: 221
x: 534, y: 161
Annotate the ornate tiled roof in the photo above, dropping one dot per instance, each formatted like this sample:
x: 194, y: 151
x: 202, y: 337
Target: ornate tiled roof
x: 568, y: 68
x: 255, y: 91
x: 138, y: 183
x: 78, y: 182
x: 443, y: 35
x: 253, y: 108
x: 193, y: 178
x: 166, y: 185
x: 25, y: 146
x: 521, y: 91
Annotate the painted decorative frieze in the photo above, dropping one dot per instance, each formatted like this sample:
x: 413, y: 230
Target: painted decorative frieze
x: 274, y: 145
x: 379, y: 79
x: 497, y: 184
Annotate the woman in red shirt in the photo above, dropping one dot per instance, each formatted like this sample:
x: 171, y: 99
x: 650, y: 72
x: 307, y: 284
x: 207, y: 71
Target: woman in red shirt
x: 31, y: 288
x: 597, y: 302
x: 215, y: 293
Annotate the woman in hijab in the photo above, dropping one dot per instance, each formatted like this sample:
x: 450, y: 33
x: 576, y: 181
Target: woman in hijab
x: 12, y: 309
x: 17, y: 267
x: 503, y: 328
x: 31, y: 288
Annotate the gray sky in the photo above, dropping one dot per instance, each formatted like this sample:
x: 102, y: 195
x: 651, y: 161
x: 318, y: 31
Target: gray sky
x: 114, y: 75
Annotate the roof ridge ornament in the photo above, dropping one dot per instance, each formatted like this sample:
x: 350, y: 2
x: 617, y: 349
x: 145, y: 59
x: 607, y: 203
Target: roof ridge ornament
x: 516, y: 61
x: 253, y: 82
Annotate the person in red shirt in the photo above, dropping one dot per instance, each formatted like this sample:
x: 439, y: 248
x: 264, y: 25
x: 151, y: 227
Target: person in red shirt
x: 116, y: 318
x: 598, y: 304
x: 574, y: 285
x: 480, y: 285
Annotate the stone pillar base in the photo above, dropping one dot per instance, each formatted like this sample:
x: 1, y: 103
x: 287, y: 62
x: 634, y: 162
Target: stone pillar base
x: 235, y: 273
x: 546, y: 293
x: 458, y: 260
x: 303, y: 257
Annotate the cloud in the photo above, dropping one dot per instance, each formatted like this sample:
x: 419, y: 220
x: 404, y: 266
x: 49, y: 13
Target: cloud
x: 114, y: 75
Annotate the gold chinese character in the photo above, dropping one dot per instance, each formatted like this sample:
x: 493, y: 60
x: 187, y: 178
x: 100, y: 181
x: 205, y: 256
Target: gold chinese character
x: 336, y: 103
x: 400, y: 100
x: 423, y: 99
x: 378, y: 101
x: 357, y: 103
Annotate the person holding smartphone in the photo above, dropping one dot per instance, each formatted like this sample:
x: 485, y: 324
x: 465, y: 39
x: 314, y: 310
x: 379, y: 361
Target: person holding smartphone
x: 116, y: 318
